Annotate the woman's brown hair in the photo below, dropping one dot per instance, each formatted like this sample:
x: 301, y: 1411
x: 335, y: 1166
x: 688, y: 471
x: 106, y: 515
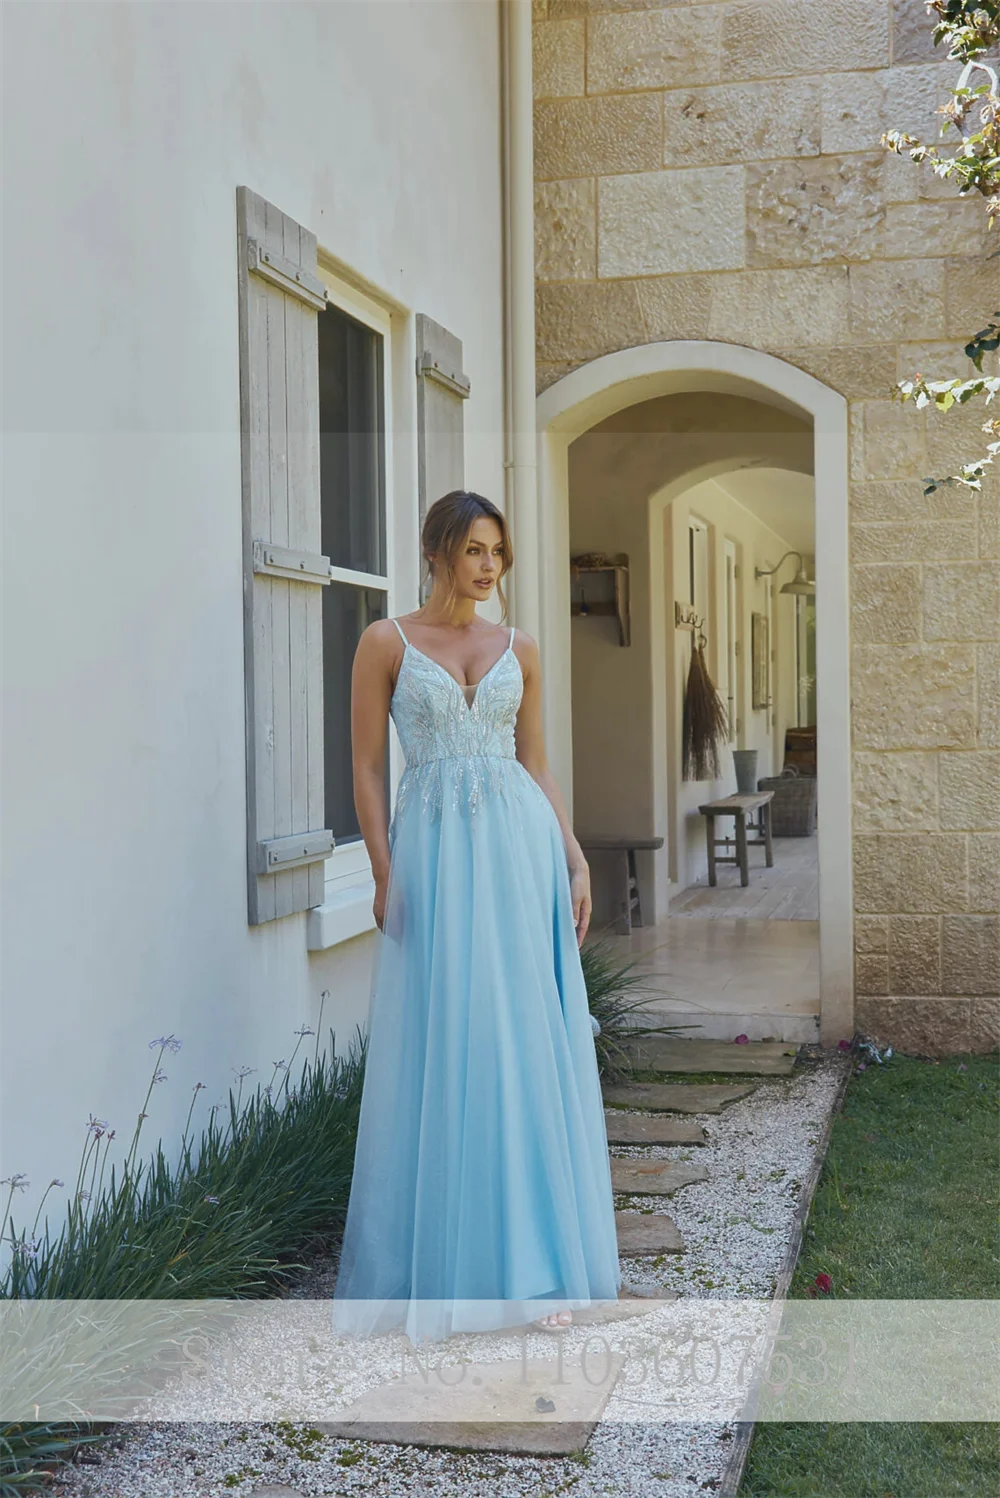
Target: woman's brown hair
x: 446, y: 528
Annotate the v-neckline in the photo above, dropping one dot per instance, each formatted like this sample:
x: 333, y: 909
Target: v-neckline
x: 469, y: 706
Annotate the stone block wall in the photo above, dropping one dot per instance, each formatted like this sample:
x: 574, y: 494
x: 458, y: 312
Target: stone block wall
x: 712, y: 169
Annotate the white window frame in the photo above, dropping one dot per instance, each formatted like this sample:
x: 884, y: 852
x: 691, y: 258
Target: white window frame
x: 349, y: 883
x: 731, y: 642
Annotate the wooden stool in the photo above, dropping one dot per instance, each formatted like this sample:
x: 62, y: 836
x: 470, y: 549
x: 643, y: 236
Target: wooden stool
x: 628, y: 883
x: 738, y: 807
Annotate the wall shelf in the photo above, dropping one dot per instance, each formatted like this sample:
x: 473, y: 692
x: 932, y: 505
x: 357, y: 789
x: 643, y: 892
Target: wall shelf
x: 603, y: 582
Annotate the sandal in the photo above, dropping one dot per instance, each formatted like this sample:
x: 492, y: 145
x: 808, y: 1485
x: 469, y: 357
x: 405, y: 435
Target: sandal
x: 557, y: 1322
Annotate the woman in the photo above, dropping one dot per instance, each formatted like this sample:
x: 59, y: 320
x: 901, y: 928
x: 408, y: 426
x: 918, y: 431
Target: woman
x: 481, y: 1191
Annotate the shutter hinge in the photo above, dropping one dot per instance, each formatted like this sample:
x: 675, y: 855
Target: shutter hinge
x: 280, y: 853
x: 452, y: 379
x: 286, y: 275
x: 282, y: 561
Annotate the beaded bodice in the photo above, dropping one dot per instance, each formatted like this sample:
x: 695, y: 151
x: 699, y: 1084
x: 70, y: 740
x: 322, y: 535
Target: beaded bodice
x: 457, y: 748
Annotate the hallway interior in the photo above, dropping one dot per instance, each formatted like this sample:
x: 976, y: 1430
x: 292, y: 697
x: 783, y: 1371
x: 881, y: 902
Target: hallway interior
x: 730, y: 961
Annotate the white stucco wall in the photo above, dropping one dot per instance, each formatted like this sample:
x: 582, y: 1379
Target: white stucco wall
x: 127, y: 128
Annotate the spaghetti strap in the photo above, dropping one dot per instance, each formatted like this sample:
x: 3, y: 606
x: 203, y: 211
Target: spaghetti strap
x: 510, y: 642
x: 401, y: 635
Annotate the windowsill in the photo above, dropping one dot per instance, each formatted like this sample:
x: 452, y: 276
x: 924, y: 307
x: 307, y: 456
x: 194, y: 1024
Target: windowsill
x: 344, y: 913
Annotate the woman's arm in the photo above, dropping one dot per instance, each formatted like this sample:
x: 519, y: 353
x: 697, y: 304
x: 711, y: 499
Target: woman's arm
x: 371, y: 689
x: 530, y: 748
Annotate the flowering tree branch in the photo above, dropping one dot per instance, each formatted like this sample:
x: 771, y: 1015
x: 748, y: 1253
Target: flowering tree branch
x: 972, y: 29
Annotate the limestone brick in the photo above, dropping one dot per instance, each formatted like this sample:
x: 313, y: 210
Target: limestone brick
x: 885, y: 604
x: 597, y: 7
x: 971, y: 293
x: 912, y: 543
x: 905, y: 501
x: 915, y: 1026
x: 858, y: 107
x: 581, y: 137
x: 988, y: 688
x: 914, y: 954
x: 913, y: 696
x: 655, y: 223
x: 789, y: 38
x: 776, y: 309
x: 970, y: 954
x: 740, y: 122
x: 669, y: 48
x: 893, y: 436
x: 955, y: 226
x: 895, y: 873
x: 582, y: 320
x: 984, y: 873
x: 871, y: 935
x: 859, y: 373
x: 897, y: 299
x: 944, y: 359
x: 559, y: 58
x: 806, y: 212
x: 912, y: 33
x: 871, y: 973
x: 955, y: 437
x: 894, y: 792
x: 969, y: 785
x: 961, y: 601
x: 984, y: 1025
x: 675, y: 306
x: 566, y: 230
x: 988, y: 525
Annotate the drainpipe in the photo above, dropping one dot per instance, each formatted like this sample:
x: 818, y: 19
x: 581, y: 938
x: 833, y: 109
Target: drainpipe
x: 520, y: 487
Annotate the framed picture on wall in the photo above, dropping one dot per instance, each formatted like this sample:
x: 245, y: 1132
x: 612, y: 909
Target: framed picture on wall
x: 761, y: 655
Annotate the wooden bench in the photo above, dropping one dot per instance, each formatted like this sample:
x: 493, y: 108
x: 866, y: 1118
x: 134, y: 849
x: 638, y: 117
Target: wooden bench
x: 627, y: 898
x: 738, y: 807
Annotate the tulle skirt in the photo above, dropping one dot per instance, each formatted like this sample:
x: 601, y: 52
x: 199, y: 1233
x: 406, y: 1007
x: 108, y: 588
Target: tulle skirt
x: 481, y: 1195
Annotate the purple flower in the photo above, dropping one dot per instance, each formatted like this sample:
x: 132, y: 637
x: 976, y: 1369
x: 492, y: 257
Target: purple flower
x: 168, y: 1042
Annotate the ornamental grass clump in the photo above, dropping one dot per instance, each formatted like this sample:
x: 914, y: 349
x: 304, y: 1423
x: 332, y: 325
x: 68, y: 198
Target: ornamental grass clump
x: 223, y: 1222
x: 611, y: 985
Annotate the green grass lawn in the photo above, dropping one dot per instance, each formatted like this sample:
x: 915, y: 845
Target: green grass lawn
x: 906, y: 1209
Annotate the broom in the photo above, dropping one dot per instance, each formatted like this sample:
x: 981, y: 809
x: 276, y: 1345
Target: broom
x: 705, y: 721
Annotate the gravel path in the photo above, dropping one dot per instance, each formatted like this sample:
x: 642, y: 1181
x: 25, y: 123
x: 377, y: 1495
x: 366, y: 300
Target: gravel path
x: 735, y: 1227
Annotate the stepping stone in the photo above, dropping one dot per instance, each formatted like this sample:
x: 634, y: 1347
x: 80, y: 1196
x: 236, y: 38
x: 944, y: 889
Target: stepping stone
x: 766, y: 1058
x: 641, y: 1233
x: 653, y: 1177
x: 645, y: 1128
x: 530, y: 1407
x: 677, y: 1097
x: 631, y: 1302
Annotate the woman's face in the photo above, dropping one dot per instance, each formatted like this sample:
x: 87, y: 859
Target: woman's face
x: 480, y: 562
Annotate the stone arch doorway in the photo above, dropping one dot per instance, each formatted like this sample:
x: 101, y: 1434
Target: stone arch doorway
x: 799, y: 404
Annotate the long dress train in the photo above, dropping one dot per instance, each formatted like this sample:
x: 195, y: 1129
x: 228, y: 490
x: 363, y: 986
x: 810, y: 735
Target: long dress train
x: 481, y: 1195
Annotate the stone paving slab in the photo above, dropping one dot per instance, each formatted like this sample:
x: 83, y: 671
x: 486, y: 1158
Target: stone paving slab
x: 530, y: 1406
x: 653, y: 1177
x: 677, y: 1097
x: 645, y: 1128
x: 642, y: 1233
x: 766, y: 1058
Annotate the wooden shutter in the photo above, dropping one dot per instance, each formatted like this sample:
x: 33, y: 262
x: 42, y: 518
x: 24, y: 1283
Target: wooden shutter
x: 441, y: 390
x: 280, y: 296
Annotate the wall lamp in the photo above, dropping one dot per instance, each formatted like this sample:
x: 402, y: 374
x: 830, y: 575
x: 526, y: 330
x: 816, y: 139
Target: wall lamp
x: 799, y: 583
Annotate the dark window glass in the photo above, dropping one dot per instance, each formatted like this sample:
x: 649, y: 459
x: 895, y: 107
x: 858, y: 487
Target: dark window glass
x: 351, y: 427
x: 352, y: 496
x: 347, y: 611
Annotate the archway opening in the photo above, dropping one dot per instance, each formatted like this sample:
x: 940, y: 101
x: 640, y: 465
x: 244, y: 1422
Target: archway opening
x: 706, y: 465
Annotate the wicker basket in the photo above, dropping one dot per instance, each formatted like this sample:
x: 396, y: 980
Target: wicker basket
x: 793, y: 807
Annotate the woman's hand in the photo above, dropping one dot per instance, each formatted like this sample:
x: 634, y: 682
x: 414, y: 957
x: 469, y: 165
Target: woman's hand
x: 579, y: 886
x: 378, y: 904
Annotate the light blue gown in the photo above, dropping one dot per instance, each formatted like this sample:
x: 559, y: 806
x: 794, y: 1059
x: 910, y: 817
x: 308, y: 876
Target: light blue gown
x: 481, y: 1195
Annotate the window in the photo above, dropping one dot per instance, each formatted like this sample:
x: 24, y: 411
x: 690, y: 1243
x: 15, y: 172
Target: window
x: 353, y: 381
